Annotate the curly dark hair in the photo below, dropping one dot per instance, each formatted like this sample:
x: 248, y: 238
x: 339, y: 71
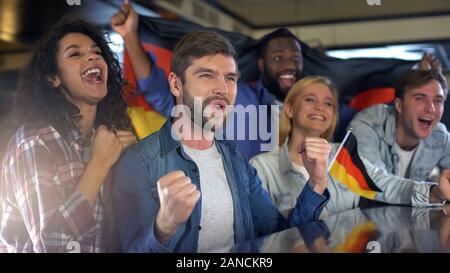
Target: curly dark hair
x: 37, y: 99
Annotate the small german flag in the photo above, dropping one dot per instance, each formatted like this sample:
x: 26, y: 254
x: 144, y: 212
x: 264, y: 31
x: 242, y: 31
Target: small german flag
x: 348, y: 168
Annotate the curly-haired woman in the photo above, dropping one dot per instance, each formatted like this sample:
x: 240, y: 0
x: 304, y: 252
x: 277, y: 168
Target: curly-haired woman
x: 74, y: 127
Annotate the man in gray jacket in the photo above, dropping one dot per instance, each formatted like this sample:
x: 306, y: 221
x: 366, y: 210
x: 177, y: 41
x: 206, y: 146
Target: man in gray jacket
x: 407, y: 139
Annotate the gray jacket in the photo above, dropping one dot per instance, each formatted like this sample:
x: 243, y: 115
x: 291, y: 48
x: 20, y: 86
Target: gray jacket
x: 375, y: 129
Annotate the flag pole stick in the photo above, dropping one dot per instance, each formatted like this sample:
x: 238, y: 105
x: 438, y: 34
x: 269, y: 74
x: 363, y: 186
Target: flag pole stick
x: 339, y: 149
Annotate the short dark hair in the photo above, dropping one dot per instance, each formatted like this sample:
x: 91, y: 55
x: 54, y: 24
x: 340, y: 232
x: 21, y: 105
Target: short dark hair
x: 279, y: 33
x: 198, y: 44
x: 416, y: 78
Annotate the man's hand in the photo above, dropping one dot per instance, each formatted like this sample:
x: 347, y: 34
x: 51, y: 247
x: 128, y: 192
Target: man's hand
x: 444, y: 184
x: 178, y: 196
x: 315, y: 153
x: 441, y: 193
x: 125, y: 21
x: 430, y: 61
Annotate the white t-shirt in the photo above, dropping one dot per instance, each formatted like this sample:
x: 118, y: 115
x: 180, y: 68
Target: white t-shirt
x: 216, y: 223
x: 405, y: 159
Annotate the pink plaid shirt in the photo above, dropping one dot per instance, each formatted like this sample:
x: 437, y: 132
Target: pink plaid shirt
x: 41, y: 210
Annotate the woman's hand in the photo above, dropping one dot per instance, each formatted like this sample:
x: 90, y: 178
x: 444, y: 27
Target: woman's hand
x: 315, y: 153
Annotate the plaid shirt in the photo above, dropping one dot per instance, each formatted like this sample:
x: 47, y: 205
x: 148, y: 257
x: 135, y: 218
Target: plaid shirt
x: 41, y: 209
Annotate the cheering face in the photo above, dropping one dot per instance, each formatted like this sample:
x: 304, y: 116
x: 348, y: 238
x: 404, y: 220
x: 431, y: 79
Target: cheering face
x: 210, y: 86
x: 282, y: 65
x: 420, y: 110
x: 82, y: 72
x: 313, y: 109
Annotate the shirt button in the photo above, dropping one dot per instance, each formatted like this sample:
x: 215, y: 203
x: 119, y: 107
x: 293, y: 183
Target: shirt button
x: 199, y: 227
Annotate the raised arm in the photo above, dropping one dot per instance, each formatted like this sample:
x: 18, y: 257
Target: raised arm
x: 152, y: 80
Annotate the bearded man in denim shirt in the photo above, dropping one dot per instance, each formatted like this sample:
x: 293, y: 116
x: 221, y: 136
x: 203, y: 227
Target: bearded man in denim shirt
x: 182, y: 189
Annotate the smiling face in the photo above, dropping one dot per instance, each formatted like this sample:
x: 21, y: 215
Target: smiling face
x: 312, y: 112
x: 210, y: 85
x: 82, y: 72
x: 282, y: 65
x: 418, y: 113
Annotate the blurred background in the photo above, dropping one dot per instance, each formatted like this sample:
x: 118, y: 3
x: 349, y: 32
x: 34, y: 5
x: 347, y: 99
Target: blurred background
x: 342, y: 28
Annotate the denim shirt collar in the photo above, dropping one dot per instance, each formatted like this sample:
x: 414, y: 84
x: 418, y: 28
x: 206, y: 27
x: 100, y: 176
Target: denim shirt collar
x: 168, y: 143
x: 285, y: 160
x: 390, y: 126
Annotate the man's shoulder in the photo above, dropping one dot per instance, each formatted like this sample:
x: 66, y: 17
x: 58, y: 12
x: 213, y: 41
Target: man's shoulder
x: 251, y: 93
x: 147, y: 147
x: 248, y: 85
x: 441, y: 128
x: 376, y: 114
x: 440, y: 135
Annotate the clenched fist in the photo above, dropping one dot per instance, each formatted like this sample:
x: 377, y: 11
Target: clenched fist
x: 429, y: 62
x: 315, y: 153
x: 444, y: 184
x: 178, y: 196
x: 125, y: 21
x: 106, y: 147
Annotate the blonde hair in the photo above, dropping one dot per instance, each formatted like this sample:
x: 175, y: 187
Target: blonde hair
x: 294, y: 92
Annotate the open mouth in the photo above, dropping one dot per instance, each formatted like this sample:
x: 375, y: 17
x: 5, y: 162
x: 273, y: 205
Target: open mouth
x: 317, y: 117
x: 286, y: 80
x: 218, y: 104
x: 93, y: 75
x: 425, y: 122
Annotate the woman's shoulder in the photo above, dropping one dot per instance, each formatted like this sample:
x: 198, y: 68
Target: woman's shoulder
x: 266, y: 156
x: 266, y: 163
x: 36, y: 130
x: 33, y: 133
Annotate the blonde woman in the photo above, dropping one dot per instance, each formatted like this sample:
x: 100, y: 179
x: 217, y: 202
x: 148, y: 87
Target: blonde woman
x: 310, y: 111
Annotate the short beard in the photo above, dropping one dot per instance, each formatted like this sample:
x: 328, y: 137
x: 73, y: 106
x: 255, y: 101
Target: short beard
x: 190, y: 102
x: 273, y: 86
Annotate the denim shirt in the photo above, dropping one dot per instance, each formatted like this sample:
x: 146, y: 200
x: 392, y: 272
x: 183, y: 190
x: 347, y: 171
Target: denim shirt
x: 375, y: 129
x: 136, y: 201
x: 156, y: 91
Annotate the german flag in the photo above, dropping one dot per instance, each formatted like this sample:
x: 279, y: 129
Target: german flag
x: 348, y: 168
x: 371, y: 80
x: 143, y: 118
